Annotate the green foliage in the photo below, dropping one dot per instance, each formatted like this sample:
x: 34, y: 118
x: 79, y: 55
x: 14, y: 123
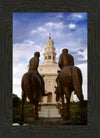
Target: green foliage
x: 26, y: 109
x: 75, y: 110
x: 17, y: 108
x: 39, y: 108
x: 16, y: 101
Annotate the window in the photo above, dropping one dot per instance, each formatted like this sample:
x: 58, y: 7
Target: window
x: 49, y: 57
x: 45, y: 57
x: 53, y: 58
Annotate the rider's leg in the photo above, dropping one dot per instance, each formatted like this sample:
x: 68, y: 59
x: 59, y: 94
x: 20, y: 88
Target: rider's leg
x: 42, y: 85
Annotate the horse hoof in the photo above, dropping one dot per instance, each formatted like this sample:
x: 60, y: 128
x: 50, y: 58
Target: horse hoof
x: 66, y: 117
x: 36, y: 118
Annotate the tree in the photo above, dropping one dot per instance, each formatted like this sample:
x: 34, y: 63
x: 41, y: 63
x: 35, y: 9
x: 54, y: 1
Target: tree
x: 16, y: 100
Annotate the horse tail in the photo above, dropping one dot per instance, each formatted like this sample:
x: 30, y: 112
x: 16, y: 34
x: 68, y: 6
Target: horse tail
x: 77, y: 82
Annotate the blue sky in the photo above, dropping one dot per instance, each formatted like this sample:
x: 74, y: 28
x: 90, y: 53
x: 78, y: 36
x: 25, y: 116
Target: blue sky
x: 31, y: 31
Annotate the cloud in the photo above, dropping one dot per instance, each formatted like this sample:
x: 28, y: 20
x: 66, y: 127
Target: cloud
x: 55, y: 28
x: 39, y: 29
x: 47, y: 27
x: 60, y: 15
x: 83, y: 53
x: 80, y: 55
x: 55, y: 25
x: 18, y: 71
x: 22, y: 52
x: 72, y: 26
x: 77, y: 15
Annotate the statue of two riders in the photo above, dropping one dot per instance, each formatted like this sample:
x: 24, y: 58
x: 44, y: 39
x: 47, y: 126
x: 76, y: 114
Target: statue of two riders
x: 64, y: 60
x: 69, y: 79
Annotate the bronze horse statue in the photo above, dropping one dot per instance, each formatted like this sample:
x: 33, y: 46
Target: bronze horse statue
x: 31, y: 88
x: 69, y: 79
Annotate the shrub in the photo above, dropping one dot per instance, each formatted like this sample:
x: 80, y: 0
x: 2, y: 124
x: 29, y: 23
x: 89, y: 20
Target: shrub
x: 16, y: 101
x: 75, y: 110
x: 28, y: 109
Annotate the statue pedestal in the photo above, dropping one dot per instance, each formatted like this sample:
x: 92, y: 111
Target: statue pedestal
x: 49, y: 111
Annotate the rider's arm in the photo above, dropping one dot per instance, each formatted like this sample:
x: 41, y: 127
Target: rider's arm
x: 60, y: 61
x: 72, y: 61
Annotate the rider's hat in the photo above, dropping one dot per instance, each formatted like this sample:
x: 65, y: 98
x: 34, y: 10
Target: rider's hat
x: 64, y: 50
x: 37, y: 54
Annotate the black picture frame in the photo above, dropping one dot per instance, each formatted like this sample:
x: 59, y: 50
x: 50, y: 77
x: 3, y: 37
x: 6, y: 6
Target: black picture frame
x: 91, y: 130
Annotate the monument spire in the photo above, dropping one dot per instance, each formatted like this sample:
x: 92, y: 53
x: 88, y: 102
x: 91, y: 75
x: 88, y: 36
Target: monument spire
x: 49, y: 54
x: 49, y: 35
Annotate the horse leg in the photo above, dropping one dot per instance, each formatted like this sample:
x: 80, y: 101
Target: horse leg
x: 63, y: 103
x: 67, y: 107
x: 80, y: 97
x: 37, y: 103
x: 34, y: 102
x: 22, y: 107
x: 36, y: 111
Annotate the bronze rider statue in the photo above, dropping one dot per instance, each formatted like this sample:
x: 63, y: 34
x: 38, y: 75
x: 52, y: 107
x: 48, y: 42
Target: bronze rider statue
x: 33, y: 66
x: 65, y: 59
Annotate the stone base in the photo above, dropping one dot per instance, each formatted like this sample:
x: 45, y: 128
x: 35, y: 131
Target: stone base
x: 49, y: 111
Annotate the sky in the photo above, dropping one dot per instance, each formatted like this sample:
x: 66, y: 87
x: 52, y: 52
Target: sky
x: 31, y: 31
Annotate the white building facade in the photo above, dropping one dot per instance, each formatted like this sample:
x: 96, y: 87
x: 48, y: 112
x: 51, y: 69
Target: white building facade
x: 49, y: 69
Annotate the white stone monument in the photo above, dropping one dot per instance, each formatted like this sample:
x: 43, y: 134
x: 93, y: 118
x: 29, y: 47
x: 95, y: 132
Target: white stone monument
x: 49, y: 69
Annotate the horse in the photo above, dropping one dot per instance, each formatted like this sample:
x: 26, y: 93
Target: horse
x: 68, y: 80
x: 31, y: 88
